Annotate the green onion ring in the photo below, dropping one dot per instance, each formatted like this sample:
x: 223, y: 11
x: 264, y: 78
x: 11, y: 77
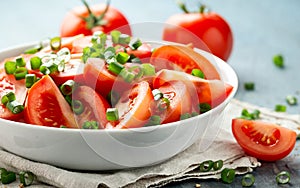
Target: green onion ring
x: 227, y: 175
x: 77, y: 107
x: 283, y: 177
x: 55, y: 43
x: 218, y: 165
x: 248, y: 180
x: 206, y: 166
x: 26, y: 178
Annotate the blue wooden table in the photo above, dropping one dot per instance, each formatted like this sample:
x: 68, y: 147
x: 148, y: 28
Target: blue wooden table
x: 261, y: 30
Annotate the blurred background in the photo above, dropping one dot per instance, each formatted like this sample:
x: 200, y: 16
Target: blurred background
x: 261, y: 29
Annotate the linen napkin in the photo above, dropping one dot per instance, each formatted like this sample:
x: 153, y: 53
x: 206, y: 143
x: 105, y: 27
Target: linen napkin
x: 181, y: 167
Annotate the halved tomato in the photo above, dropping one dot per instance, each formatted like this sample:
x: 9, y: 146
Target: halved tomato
x: 46, y: 106
x: 180, y: 101
x: 212, y: 92
x: 134, y: 106
x: 263, y: 140
x: 8, y: 83
x: 94, y: 106
x: 184, y: 58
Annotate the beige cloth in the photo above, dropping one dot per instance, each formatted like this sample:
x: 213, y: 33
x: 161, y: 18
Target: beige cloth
x: 181, y: 167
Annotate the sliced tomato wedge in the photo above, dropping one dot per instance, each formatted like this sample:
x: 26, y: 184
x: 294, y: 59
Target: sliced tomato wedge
x: 263, y: 140
x: 46, y: 106
x: 97, y: 76
x: 180, y: 101
x: 143, y: 52
x: 94, y: 106
x: 184, y: 58
x: 213, y: 92
x: 8, y: 83
x: 134, y: 106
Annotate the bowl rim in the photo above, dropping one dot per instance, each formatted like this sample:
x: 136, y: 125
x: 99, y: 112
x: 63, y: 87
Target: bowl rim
x: 218, y: 62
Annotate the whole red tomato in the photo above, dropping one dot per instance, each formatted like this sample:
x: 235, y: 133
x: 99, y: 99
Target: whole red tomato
x: 87, y: 19
x: 205, y: 30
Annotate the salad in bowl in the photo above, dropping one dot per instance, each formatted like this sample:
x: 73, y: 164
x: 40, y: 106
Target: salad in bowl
x: 113, y: 99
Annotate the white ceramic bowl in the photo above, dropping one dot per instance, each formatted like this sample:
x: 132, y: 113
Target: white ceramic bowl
x: 113, y: 149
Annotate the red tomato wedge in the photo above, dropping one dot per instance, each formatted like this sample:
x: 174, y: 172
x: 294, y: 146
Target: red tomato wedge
x: 265, y: 141
x: 97, y: 76
x: 212, y: 92
x: 94, y: 106
x: 143, y: 52
x: 180, y: 101
x: 176, y: 57
x: 134, y: 106
x: 8, y: 83
x: 46, y: 106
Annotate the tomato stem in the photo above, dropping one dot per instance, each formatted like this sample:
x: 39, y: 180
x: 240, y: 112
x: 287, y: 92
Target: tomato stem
x: 92, y: 20
x: 182, y: 6
x: 202, y: 9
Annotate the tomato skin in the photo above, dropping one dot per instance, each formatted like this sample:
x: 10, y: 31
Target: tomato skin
x: 134, y: 106
x: 143, y: 52
x: 176, y: 57
x: 180, y: 101
x: 94, y: 106
x: 212, y: 92
x: 207, y: 31
x: 249, y: 135
x: 46, y: 106
x: 72, y: 24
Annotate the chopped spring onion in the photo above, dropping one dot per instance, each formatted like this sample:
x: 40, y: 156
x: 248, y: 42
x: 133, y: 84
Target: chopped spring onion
x: 283, y: 177
x: 148, y: 69
x: 69, y: 99
x: 64, y: 55
x: 185, y: 116
x: 68, y: 87
x: 218, y: 165
x: 280, y: 108
x: 15, y: 107
x: 115, y: 67
x: 157, y: 94
x: 136, y: 60
x: 248, y: 180
x: 55, y: 43
x: 7, y: 177
x: 249, y: 86
x: 112, y: 114
x: 278, y: 60
x: 20, y: 73
x: 124, y: 39
x: 26, y: 178
x: 135, y: 43
x: 122, y: 57
x: 194, y: 114
x: 137, y: 71
x: 35, y: 62
x: 48, y: 68
x: 115, y: 35
x: 113, y: 97
x: 154, y: 120
x: 8, y: 97
x: 227, y: 175
x: 30, y: 79
x: 20, y: 61
x: 109, y: 53
x: 77, y: 107
x: 128, y: 76
x: 34, y: 49
x: 163, y: 104
x: 204, y: 107
x: 90, y: 125
x: 251, y: 116
x: 291, y: 100
x: 206, y: 166
x: 198, y: 73
x: 10, y: 67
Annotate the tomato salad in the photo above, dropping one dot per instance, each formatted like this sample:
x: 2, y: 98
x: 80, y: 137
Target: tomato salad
x: 108, y: 81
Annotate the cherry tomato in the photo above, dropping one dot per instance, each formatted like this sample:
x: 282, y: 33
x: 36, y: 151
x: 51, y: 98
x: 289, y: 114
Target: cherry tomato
x: 212, y: 92
x: 134, y: 106
x: 206, y: 30
x: 46, y: 106
x: 176, y: 57
x: 265, y: 141
x: 8, y: 83
x: 180, y: 101
x: 94, y: 106
x: 80, y: 21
